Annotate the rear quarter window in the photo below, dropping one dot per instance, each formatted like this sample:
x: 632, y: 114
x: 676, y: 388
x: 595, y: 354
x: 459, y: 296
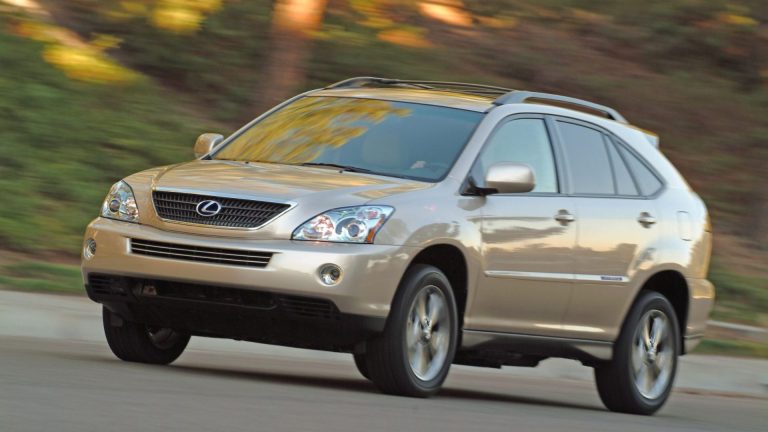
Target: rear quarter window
x: 625, y: 184
x: 646, y: 180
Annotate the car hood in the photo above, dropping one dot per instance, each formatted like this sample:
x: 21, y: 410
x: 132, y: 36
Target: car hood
x: 280, y: 182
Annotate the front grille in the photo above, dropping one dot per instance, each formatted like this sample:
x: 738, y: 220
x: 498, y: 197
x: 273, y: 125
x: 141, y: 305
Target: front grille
x: 309, y: 307
x: 235, y: 213
x: 199, y: 253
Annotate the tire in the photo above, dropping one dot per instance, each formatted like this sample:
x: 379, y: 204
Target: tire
x: 362, y: 365
x: 139, y: 343
x: 414, y: 353
x: 639, y: 378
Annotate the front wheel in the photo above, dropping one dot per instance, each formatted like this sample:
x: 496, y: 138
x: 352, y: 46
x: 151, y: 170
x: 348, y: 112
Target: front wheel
x: 139, y: 343
x: 413, y: 355
x: 639, y: 378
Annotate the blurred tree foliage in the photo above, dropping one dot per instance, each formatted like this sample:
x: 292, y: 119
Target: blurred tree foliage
x: 64, y: 141
x: 294, y: 23
x: 215, y: 54
x: 93, y: 90
x: 696, y: 71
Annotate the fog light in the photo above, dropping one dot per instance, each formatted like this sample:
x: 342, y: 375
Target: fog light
x: 114, y: 205
x: 89, y: 250
x: 330, y: 274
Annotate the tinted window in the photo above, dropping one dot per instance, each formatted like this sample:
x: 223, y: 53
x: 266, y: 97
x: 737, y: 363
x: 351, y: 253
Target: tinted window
x: 587, y: 159
x: 389, y: 138
x: 624, y: 183
x: 525, y: 141
x: 647, y: 181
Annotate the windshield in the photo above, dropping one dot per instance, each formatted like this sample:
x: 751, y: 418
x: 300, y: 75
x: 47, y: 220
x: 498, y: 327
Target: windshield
x: 366, y: 135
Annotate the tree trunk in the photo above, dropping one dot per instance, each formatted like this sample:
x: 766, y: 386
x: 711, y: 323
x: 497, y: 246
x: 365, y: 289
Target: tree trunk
x: 293, y: 22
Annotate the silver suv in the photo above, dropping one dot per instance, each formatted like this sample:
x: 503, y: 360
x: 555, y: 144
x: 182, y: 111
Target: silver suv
x: 416, y: 224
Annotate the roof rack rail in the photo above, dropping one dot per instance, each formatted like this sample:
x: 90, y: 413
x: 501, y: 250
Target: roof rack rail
x: 561, y: 101
x: 480, y: 89
x: 505, y: 95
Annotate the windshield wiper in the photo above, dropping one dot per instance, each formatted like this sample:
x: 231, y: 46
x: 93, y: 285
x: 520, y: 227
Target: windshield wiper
x: 341, y: 167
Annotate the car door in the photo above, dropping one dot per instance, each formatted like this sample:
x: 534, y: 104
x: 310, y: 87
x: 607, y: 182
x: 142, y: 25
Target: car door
x: 527, y: 239
x: 616, y: 228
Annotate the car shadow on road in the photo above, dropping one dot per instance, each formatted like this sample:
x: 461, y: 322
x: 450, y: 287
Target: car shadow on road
x: 353, y: 384
x: 363, y: 386
x: 358, y: 385
x: 477, y: 395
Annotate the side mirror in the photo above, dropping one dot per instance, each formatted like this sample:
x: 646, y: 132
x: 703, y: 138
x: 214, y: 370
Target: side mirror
x: 510, y: 177
x: 206, y: 142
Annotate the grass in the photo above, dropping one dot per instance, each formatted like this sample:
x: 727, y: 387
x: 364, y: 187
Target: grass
x: 36, y: 276
x: 732, y: 348
x: 64, y: 142
x: 739, y: 298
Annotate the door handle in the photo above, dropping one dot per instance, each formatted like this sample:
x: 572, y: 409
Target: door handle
x: 646, y: 219
x: 564, y: 217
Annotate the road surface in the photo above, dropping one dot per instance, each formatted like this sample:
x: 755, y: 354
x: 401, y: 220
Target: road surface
x: 58, y: 382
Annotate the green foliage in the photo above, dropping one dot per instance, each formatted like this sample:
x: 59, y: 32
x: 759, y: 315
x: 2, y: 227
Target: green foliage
x: 43, y: 277
x: 692, y: 70
x: 218, y: 64
x: 739, y: 298
x: 63, y: 143
x: 734, y: 348
x: 723, y: 35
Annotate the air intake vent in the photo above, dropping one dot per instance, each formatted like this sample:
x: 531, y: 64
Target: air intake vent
x: 199, y: 253
x: 210, y: 294
x: 232, y: 213
x: 309, y: 307
x: 107, y: 285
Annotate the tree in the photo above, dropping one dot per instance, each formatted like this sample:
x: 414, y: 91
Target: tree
x: 293, y: 23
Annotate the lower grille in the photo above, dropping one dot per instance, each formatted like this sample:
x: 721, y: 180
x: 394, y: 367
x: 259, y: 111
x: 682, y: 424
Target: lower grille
x: 183, y: 293
x: 309, y: 307
x: 107, y: 285
x: 199, y: 253
x: 208, y: 293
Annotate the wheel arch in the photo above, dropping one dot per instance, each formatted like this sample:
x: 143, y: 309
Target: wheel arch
x: 674, y: 287
x: 452, y: 262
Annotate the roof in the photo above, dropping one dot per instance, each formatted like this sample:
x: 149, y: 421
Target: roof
x: 451, y: 99
x: 476, y: 97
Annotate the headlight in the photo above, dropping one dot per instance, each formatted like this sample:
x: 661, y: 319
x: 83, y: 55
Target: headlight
x: 345, y: 225
x: 120, y: 203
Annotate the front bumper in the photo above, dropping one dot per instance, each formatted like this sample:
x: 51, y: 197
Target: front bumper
x: 371, y: 273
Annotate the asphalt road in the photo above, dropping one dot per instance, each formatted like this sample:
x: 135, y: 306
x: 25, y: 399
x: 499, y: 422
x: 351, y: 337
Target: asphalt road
x: 67, y: 385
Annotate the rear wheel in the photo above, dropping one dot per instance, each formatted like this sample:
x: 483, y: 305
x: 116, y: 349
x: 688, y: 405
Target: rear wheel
x: 413, y: 355
x: 639, y: 378
x: 139, y: 343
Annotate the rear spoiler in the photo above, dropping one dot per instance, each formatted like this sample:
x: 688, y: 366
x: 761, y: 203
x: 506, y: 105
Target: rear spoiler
x: 652, y: 138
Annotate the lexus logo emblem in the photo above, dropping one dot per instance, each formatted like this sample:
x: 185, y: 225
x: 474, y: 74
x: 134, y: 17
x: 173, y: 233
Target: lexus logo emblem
x: 208, y: 208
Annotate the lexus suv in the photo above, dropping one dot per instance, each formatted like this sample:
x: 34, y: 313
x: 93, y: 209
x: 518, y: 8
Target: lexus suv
x: 415, y: 225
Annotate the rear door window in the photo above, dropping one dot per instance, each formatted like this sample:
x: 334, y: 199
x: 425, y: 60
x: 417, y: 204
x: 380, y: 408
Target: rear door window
x: 586, y: 157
